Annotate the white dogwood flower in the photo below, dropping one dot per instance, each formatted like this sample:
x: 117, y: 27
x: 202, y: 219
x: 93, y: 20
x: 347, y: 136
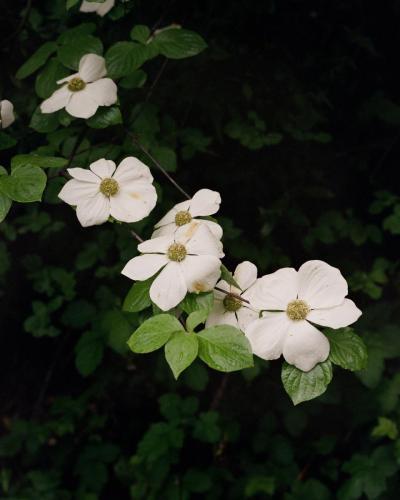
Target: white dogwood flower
x: 229, y: 310
x: 83, y: 92
x: 125, y: 193
x: 100, y: 8
x: 293, y: 300
x: 189, y: 261
x: 204, y: 202
x: 7, y: 116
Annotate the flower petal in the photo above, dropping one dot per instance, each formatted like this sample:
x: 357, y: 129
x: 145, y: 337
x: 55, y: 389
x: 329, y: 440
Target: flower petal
x: 105, y: 7
x: 7, y: 116
x: 219, y: 316
x: 205, y: 202
x: 267, y: 335
x: 81, y: 104
x: 274, y: 291
x: 305, y: 346
x: 131, y: 169
x: 92, y: 67
x: 199, y: 240
x: 215, y: 228
x: 89, y: 6
x: 58, y: 100
x: 103, y: 91
x: 156, y: 245
x: 93, y: 211
x: 103, y: 168
x: 245, y: 316
x: 201, y: 272
x: 336, y: 317
x: 164, y: 230
x: 83, y: 174
x: 321, y: 285
x: 68, y: 78
x: 245, y: 274
x: 169, y: 217
x: 169, y: 288
x: 144, y: 266
x: 75, y: 192
x: 134, y: 204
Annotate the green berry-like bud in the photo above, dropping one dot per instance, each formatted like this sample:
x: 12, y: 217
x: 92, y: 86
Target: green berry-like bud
x: 76, y: 84
x: 231, y: 303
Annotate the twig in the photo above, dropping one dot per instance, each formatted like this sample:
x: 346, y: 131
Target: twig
x: 135, y: 235
x: 234, y: 295
x: 219, y: 392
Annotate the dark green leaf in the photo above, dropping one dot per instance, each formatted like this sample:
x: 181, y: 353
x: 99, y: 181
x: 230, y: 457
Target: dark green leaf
x: 227, y: 276
x: 347, y: 349
x: 105, y: 117
x: 6, y: 141
x: 138, y: 297
x: 25, y: 184
x: 33, y: 160
x: 36, y: 60
x: 177, y: 43
x: 71, y: 53
x: 46, y: 81
x: 124, y: 58
x: 140, y: 33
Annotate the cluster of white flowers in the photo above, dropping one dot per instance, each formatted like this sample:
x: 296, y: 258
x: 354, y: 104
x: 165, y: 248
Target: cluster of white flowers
x: 7, y: 116
x: 276, y: 312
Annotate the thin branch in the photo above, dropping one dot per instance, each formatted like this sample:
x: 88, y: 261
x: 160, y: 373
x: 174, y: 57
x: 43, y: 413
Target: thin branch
x: 135, y: 235
x: 234, y: 295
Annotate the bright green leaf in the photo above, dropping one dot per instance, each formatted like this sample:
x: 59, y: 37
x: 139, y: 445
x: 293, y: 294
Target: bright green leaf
x: 138, y: 297
x: 180, y: 351
x: 25, y: 184
x: 33, y: 160
x: 226, y: 275
x: 154, y: 333
x: 347, y: 349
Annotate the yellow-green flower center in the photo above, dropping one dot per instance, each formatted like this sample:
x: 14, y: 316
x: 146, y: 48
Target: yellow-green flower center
x: 176, y: 252
x: 76, y: 84
x: 231, y: 303
x: 182, y: 218
x: 109, y: 187
x: 297, y: 310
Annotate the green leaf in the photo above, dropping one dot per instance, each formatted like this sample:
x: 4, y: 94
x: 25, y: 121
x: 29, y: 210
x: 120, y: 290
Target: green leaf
x: 134, y: 80
x: 33, y: 160
x: 124, y: 58
x: 177, y: 43
x: 196, y: 318
x: 89, y: 353
x: 347, y: 349
x: 6, y: 141
x: 140, y: 33
x: 224, y: 348
x: 385, y: 428
x: 5, y: 202
x: 70, y: 4
x: 25, y: 184
x: 44, y: 122
x: 303, y: 386
x: 180, y: 351
x: 71, y: 52
x: 138, y: 297
x: 46, y: 81
x: 166, y: 157
x: 197, y: 301
x: 226, y: 275
x: 105, y: 117
x: 37, y: 60
x: 154, y: 333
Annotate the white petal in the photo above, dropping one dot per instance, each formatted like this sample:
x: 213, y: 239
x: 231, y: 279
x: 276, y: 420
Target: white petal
x: 105, y: 7
x: 144, y: 266
x: 164, y: 230
x: 305, y: 346
x: 156, y: 245
x: 199, y: 240
x: 321, y: 285
x: 245, y: 274
x: 205, y: 202
x: 89, y: 6
x: 68, y: 78
x: 267, y: 335
x: 336, y: 317
x: 75, y: 192
x: 274, y: 291
x: 103, y: 168
x: 131, y: 169
x: 93, y: 211
x: 170, y: 216
x: 92, y: 67
x: 83, y: 174
x: 219, y: 316
x: 58, y: 100
x: 169, y: 288
x: 223, y: 285
x: 7, y: 116
x: 134, y: 204
x: 81, y: 104
x: 246, y: 316
x: 103, y: 91
x: 215, y: 228
x: 201, y: 272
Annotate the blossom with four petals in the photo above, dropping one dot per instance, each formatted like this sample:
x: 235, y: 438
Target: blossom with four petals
x: 125, y: 193
x: 292, y: 301
x: 82, y: 93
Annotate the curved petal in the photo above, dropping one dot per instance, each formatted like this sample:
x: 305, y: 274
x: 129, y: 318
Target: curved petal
x: 7, y: 116
x: 169, y: 217
x: 144, y: 267
x: 245, y: 316
x: 336, y: 317
x: 215, y: 228
x: 131, y: 169
x: 169, y: 288
x: 201, y: 272
x: 135, y: 204
x: 103, y: 91
x: 245, y: 274
x: 274, y: 291
x: 219, y: 316
x: 83, y: 174
x: 105, y: 7
x: 68, y: 78
x: 103, y: 168
x: 164, y: 230
x: 81, y: 104
x: 89, y: 6
x: 58, y: 100
x: 75, y: 192
x: 92, y: 67
x: 321, y: 285
x: 199, y: 240
x: 93, y: 211
x: 267, y: 335
x: 156, y: 245
x: 305, y: 346
x: 205, y: 202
